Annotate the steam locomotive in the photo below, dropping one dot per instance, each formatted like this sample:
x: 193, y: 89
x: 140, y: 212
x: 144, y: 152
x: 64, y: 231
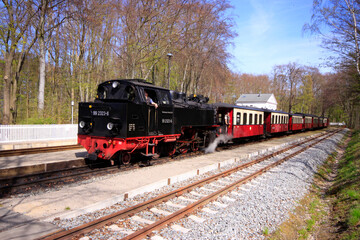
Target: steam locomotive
x: 122, y: 121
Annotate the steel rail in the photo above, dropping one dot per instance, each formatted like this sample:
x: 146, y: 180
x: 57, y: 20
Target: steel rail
x: 103, y: 221
x: 26, y: 181
x: 27, y: 151
x: 144, y: 232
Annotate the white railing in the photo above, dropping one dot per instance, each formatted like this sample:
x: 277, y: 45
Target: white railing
x: 337, y: 124
x: 30, y: 133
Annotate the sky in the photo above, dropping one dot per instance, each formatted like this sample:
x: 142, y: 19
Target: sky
x: 270, y: 33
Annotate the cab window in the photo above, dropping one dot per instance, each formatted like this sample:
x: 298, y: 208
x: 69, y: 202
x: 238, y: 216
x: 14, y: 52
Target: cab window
x: 164, y: 97
x: 151, y: 94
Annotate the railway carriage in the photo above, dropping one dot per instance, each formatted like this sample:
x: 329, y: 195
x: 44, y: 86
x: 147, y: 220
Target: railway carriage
x: 315, y: 122
x: 308, y: 122
x: 240, y: 122
x: 296, y: 122
x: 276, y: 122
x: 325, y: 122
x: 321, y: 122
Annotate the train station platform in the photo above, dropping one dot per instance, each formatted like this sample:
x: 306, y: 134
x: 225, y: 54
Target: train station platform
x: 36, y: 144
x: 77, y: 199
x: 42, y: 162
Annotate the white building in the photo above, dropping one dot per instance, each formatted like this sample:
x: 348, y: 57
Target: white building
x: 259, y: 100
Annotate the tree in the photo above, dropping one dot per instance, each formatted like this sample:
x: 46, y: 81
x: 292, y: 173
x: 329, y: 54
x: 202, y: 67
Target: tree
x: 286, y: 79
x: 49, y: 18
x: 341, y: 18
x: 17, y: 37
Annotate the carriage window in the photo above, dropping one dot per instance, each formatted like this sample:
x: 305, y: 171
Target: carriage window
x: 238, y: 116
x: 244, y: 119
x: 255, y: 119
x: 282, y: 120
x: 260, y: 119
x: 272, y: 120
x: 250, y: 118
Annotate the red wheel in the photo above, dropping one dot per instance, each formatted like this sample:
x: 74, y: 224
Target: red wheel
x: 125, y: 158
x: 171, y: 151
x: 194, y: 147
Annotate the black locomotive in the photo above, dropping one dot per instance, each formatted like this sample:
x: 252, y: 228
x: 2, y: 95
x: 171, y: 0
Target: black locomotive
x: 131, y: 116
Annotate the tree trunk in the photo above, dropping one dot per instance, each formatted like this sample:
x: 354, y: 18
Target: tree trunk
x: 7, y: 88
x: 41, y: 77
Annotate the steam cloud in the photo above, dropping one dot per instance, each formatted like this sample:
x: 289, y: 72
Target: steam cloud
x: 223, y: 138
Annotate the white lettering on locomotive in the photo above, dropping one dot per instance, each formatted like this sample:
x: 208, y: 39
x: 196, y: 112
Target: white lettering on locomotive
x: 100, y: 113
x: 131, y: 127
x: 164, y: 120
x: 167, y: 112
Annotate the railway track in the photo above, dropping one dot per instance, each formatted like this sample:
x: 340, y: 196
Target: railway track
x: 197, y: 195
x: 33, y: 182
x: 26, y: 151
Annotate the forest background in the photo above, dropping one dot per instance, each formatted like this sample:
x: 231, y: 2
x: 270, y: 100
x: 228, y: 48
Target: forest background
x: 55, y: 52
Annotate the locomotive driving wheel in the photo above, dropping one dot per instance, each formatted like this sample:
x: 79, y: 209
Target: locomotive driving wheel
x: 171, y: 150
x: 125, y: 158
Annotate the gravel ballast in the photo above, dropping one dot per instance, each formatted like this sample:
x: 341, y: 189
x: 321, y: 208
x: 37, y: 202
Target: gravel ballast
x: 266, y: 203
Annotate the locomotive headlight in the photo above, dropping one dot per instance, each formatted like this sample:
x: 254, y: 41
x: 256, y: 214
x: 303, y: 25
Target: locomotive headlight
x: 81, y: 124
x: 110, y: 126
x: 115, y: 84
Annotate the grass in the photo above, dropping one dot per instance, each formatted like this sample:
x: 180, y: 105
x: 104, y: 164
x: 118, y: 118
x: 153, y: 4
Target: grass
x: 347, y: 191
x: 354, y: 217
x: 327, y: 210
x: 266, y: 231
x: 355, y: 195
x: 67, y: 208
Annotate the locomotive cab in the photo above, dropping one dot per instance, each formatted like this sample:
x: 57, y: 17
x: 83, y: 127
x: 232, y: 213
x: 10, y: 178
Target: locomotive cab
x: 121, y: 110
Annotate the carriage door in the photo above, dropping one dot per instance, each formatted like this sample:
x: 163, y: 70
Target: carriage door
x: 151, y: 111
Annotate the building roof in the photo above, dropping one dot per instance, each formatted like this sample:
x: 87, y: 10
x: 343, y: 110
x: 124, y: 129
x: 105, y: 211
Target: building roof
x: 258, y: 97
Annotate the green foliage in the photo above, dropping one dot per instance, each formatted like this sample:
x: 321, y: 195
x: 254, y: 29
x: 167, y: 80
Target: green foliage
x: 38, y: 121
x: 303, y: 233
x: 354, y: 216
x: 305, y: 98
x: 348, y: 196
x: 350, y: 164
x: 310, y: 224
x: 266, y: 231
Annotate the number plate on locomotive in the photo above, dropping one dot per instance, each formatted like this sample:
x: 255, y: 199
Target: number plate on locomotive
x: 100, y: 113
